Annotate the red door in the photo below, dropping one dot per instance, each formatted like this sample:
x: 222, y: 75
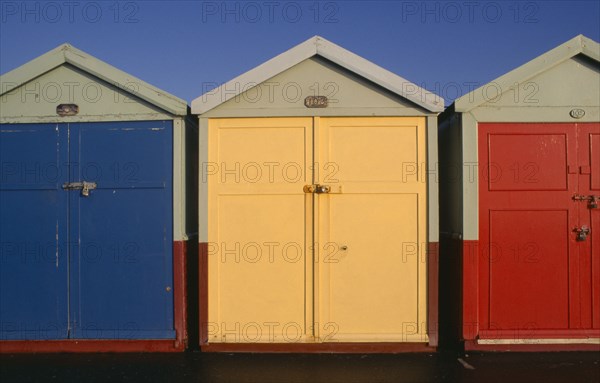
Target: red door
x: 589, y: 216
x: 536, y: 280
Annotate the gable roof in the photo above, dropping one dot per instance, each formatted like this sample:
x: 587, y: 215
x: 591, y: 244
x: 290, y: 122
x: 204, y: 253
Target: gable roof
x: 319, y: 46
x: 67, y: 54
x: 577, y: 45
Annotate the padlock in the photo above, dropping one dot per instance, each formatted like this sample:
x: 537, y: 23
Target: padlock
x: 582, y: 233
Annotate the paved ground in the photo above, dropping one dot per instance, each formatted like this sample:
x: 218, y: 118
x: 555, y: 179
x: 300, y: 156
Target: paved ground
x: 323, y: 368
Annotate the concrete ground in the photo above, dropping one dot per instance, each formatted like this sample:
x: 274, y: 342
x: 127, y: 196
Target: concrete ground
x: 572, y: 367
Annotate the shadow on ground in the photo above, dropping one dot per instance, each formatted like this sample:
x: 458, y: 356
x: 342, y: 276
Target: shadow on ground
x: 574, y: 367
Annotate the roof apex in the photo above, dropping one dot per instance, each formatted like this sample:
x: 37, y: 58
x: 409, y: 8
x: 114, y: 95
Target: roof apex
x: 68, y: 54
x: 320, y: 46
x: 579, y: 44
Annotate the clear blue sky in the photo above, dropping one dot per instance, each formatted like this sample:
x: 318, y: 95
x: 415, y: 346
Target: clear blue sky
x: 179, y: 45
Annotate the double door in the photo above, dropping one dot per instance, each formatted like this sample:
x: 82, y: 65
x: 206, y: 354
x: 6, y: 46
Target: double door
x: 317, y: 230
x: 539, y: 269
x: 86, y: 231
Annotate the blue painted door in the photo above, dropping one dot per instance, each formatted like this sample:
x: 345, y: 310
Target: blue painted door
x: 117, y: 277
x: 33, y: 232
x: 122, y: 270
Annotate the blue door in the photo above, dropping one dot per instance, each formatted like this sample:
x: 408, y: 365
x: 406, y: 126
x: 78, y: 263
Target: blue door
x: 117, y: 278
x: 33, y: 232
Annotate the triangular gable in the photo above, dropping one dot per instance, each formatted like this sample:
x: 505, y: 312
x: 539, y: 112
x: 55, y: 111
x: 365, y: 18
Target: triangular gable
x: 580, y: 45
x: 332, y: 52
x: 67, y: 54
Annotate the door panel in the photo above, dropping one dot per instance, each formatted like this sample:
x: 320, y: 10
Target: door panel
x: 524, y: 162
x: 34, y: 244
x: 518, y: 253
x: 122, y: 279
x: 258, y: 265
x: 371, y: 230
x: 589, y: 250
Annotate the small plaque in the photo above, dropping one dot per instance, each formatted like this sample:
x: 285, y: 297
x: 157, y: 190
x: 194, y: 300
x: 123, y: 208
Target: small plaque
x: 67, y: 110
x: 315, y: 102
x: 577, y: 113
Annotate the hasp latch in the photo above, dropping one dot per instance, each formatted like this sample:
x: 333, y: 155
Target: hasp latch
x: 84, y: 186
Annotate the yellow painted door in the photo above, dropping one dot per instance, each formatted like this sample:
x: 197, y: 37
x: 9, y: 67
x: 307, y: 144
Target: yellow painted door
x: 257, y: 227
x: 371, y: 230
x: 288, y: 266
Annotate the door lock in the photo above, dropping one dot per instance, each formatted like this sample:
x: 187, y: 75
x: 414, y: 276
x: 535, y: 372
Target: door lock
x: 582, y: 233
x: 84, y: 186
x: 317, y: 189
x: 592, y: 200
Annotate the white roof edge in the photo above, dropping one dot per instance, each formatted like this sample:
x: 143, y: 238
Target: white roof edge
x: 66, y: 53
x: 259, y: 74
x: 578, y: 45
x: 318, y: 46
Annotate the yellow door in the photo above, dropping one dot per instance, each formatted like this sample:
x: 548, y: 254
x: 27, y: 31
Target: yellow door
x: 257, y: 225
x: 362, y: 277
x: 371, y: 230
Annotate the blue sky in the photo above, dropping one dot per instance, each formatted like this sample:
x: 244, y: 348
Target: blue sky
x: 178, y: 46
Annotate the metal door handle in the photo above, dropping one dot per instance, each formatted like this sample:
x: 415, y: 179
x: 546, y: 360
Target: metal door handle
x: 592, y: 200
x: 317, y: 189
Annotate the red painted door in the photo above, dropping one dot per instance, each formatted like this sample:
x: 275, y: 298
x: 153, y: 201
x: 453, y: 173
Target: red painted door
x: 589, y: 216
x: 536, y: 279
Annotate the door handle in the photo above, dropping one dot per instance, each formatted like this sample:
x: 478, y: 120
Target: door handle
x: 317, y: 189
x: 84, y: 186
x: 592, y: 200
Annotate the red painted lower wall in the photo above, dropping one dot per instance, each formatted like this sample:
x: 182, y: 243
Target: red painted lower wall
x: 433, y: 261
x: 203, y: 294
x: 177, y: 345
x: 470, y: 289
x: 338, y: 348
x: 472, y: 345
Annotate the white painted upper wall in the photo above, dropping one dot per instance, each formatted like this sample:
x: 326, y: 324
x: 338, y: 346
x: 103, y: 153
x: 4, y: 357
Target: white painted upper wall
x: 564, y: 76
x: 36, y: 100
x: 550, y: 96
x: 23, y: 78
x: 318, y: 46
x: 284, y: 94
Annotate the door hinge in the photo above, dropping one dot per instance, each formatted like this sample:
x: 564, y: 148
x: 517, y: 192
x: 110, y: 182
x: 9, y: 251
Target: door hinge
x: 84, y: 186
